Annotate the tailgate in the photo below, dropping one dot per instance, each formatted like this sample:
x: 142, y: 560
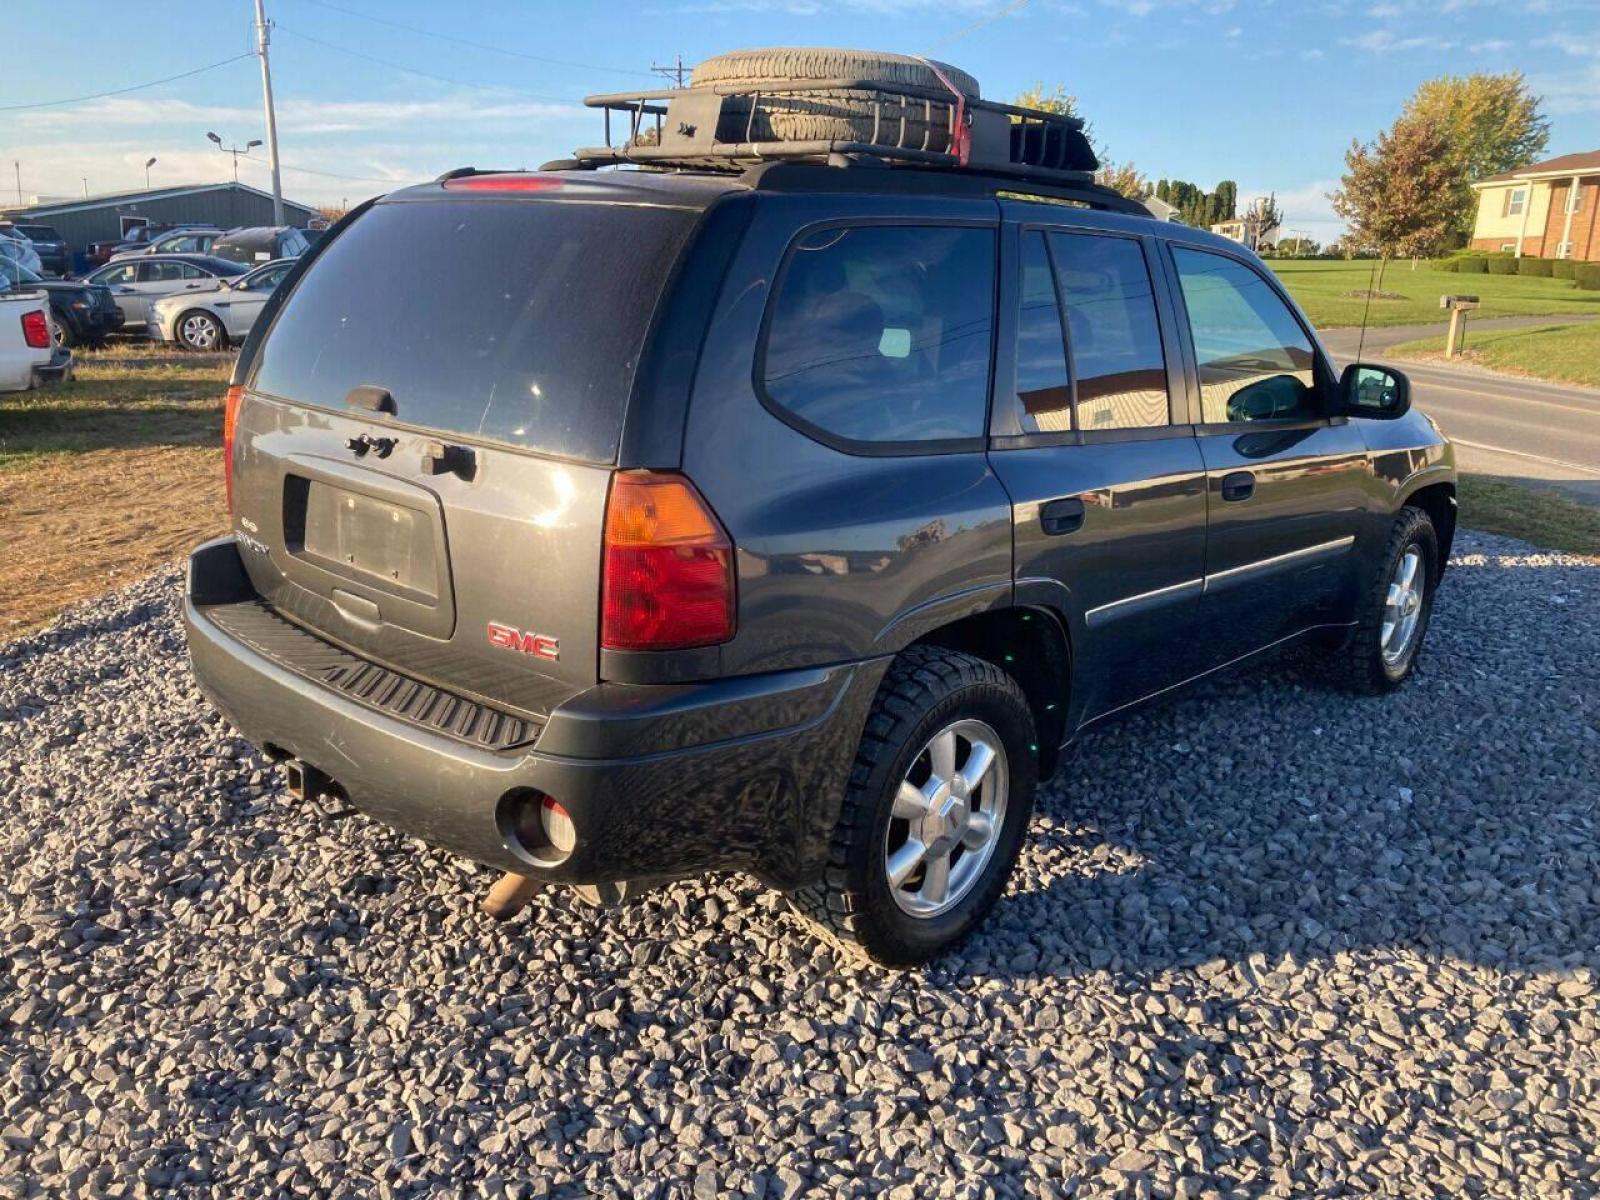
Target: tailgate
x: 423, y: 452
x: 484, y: 580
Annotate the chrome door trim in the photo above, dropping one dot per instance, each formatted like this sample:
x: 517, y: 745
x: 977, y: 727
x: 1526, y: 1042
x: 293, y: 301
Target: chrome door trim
x: 1278, y: 561
x: 1102, y: 613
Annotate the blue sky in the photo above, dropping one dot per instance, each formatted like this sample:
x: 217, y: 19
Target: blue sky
x: 1266, y: 92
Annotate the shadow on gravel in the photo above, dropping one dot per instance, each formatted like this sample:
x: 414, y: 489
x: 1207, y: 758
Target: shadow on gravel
x: 1263, y: 816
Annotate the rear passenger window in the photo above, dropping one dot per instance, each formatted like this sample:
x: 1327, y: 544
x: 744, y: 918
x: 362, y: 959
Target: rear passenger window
x: 1256, y: 362
x: 1113, y: 333
x: 881, y: 333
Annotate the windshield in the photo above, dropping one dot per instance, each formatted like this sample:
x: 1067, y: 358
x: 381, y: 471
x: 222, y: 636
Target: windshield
x: 519, y: 322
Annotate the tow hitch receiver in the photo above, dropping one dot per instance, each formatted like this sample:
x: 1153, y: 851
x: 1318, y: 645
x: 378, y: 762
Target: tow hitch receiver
x: 305, y: 781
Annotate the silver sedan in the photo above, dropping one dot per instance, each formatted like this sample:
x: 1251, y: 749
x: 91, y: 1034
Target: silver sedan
x: 211, y: 319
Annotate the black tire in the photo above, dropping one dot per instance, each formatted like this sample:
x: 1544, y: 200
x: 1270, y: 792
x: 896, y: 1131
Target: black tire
x: 837, y: 115
x: 925, y: 690
x: 1360, y: 664
x: 220, y: 334
x: 65, y: 337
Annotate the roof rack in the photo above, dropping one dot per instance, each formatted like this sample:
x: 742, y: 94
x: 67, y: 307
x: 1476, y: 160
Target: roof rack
x: 715, y: 128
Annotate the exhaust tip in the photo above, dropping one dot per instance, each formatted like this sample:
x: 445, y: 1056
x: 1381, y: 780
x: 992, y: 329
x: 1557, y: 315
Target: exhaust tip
x: 536, y: 827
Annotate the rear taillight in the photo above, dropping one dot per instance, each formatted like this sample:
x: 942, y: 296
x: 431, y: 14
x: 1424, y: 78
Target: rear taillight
x: 668, y: 581
x: 230, y: 417
x: 35, y: 330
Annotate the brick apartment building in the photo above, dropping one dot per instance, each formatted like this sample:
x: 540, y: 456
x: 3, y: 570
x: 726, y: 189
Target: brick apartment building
x: 1547, y: 210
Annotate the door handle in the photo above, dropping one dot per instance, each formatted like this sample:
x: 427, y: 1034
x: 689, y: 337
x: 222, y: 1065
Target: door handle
x: 1240, y: 485
x: 1062, y: 516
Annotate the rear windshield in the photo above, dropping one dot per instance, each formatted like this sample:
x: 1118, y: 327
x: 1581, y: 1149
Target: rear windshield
x: 517, y: 321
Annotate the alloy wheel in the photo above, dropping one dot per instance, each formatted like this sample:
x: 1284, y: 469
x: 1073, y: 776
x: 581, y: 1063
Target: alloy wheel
x: 1402, y: 606
x: 200, y: 332
x: 947, y: 817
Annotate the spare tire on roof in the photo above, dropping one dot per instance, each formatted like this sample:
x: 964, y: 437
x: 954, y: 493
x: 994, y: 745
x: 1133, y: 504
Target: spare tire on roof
x: 831, y: 114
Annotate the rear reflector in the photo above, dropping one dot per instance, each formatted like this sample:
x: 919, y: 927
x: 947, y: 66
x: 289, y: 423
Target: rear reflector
x: 668, y: 582
x: 230, y: 417
x: 35, y: 329
x: 502, y: 183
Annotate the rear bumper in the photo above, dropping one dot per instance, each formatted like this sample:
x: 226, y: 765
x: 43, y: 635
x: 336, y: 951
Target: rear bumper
x: 59, y: 369
x: 661, y: 781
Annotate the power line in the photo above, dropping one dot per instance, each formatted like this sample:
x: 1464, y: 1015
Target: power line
x: 1016, y: 6
x: 460, y: 41
x: 123, y: 91
x: 334, y: 174
x: 394, y: 66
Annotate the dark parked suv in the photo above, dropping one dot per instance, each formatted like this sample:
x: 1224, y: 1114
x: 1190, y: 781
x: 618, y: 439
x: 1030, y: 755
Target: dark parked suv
x: 647, y: 524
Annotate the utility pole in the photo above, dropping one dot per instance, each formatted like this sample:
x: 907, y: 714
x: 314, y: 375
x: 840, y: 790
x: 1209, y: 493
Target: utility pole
x: 673, y: 71
x: 17, y: 165
x: 263, y: 36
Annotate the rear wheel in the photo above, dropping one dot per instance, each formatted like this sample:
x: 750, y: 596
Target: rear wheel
x: 201, y: 331
x: 934, y: 815
x: 63, y: 332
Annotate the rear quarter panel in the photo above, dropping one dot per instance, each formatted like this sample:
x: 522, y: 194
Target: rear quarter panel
x: 840, y: 556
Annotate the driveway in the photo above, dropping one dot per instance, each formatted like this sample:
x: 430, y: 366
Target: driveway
x: 1264, y: 940
x: 1540, y: 433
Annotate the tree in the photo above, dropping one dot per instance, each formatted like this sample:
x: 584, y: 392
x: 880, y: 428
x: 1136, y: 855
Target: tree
x: 1490, y: 123
x: 1397, y: 194
x: 1124, y: 179
x: 1063, y: 103
x: 1196, y: 206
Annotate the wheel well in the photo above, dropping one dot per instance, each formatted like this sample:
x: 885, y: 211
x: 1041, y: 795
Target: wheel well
x: 1029, y: 645
x: 1438, y: 500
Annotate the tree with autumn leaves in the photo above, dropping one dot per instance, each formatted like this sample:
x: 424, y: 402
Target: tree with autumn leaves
x: 1408, y: 193
x: 1123, y: 178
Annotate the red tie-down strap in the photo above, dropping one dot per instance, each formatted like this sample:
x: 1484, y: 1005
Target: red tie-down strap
x: 961, y: 139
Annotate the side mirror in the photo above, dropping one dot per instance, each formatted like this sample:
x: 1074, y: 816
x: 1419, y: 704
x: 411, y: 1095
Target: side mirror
x: 1378, y: 393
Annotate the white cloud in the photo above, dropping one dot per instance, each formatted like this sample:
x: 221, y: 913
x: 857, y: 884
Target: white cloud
x: 1570, y: 92
x: 297, y: 116
x: 1306, y: 208
x: 1386, y: 41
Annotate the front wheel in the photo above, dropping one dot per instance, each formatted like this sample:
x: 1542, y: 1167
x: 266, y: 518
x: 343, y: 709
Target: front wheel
x: 63, y: 332
x: 201, y: 331
x: 1392, y: 618
x: 934, y: 815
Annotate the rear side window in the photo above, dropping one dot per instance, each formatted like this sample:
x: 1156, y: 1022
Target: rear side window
x: 1112, y: 331
x: 516, y: 321
x: 881, y: 334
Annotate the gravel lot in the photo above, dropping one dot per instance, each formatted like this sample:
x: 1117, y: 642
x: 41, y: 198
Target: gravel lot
x: 1264, y: 942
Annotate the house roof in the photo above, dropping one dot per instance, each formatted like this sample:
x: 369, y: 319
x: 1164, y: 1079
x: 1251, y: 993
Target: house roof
x: 114, y: 199
x: 1585, y: 163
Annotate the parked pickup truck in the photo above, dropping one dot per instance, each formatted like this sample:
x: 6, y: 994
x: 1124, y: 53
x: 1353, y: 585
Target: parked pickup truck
x: 29, y: 355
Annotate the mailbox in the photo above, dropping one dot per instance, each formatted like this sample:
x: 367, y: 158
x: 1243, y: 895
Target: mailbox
x: 1459, y: 306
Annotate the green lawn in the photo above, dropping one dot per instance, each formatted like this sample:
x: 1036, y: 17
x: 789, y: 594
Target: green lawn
x: 1559, y: 353
x: 1542, y: 517
x: 1330, y: 290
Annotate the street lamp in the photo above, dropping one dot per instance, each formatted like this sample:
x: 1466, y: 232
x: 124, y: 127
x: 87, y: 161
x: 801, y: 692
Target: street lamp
x: 148, y: 163
x: 235, y: 151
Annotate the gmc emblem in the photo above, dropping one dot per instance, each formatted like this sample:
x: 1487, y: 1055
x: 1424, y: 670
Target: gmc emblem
x: 537, y: 644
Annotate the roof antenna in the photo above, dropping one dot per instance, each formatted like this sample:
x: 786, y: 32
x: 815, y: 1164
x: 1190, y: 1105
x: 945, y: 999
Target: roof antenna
x: 1372, y: 278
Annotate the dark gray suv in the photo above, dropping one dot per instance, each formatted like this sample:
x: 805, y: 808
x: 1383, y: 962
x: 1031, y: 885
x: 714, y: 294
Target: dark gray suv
x: 643, y: 524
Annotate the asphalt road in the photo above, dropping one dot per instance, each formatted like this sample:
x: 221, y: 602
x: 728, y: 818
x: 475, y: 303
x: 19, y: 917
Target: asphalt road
x: 1515, y: 428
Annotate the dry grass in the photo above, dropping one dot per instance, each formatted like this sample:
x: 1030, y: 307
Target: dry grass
x: 106, y: 479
